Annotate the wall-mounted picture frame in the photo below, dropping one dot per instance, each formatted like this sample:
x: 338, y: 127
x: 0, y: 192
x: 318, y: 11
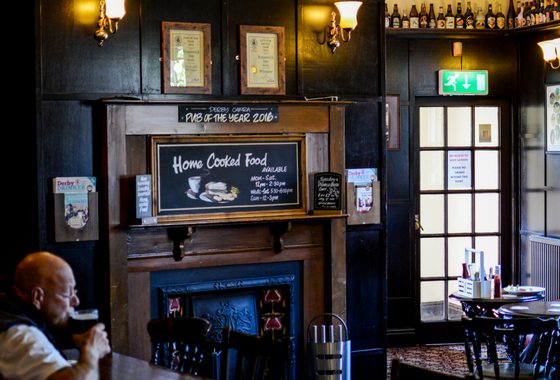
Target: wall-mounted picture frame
x: 262, y: 60
x: 186, y: 53
x: 393, y: 119
x: 553, y: 119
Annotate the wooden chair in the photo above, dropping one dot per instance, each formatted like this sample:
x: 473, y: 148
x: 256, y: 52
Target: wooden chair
x: 406, y: 371
x: 257, y: 358
x: 488, y: 332
x: 178, y: 342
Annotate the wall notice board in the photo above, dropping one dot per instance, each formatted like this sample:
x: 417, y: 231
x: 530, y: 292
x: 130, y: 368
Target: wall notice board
x: 227, y: 176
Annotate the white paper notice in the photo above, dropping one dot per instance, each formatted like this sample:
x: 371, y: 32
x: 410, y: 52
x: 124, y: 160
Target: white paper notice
x: 459, y: 169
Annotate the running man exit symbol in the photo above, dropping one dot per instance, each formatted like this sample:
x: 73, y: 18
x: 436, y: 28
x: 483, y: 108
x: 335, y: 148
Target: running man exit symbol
x: 463, y: 82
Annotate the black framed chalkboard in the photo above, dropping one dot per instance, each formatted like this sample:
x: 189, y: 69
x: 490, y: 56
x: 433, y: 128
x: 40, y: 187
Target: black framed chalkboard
x: 227, y: 175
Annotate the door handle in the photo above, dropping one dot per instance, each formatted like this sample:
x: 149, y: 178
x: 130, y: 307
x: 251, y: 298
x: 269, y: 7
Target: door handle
x: 417, y: 224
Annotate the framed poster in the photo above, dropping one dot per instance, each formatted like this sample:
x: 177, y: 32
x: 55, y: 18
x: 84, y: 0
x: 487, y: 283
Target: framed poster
x: 262, y: 60
x: 228, y: 178
x: 186, y: 63
x: 553, y: 118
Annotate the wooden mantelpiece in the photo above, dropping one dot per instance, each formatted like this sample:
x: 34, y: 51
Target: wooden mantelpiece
x: 318, y: 242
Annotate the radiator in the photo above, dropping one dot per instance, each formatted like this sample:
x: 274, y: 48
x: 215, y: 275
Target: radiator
x: 545, y: 265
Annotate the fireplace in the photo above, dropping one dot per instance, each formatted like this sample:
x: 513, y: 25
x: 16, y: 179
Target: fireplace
x: 263, y: 300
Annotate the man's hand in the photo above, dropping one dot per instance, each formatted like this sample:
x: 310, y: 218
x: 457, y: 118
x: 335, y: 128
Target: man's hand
x: 93, y: 343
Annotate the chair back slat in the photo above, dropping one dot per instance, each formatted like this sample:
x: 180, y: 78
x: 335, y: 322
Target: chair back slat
x: 178, y: 343
x: 491, y: 333
x: 257, y: 358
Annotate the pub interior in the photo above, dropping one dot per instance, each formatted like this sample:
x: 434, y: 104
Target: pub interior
x: 91, y: 111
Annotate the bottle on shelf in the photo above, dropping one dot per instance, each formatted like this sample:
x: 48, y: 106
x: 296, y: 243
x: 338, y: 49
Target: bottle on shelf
x: 459, y: 18
x: 533, y: 14
x: 432, y: 18
x: 527, y: 13
x: 548, y: 12
x: 469, y: 17
x: 556, y: 11
x: 395, y: 17
x: 449, y: 18
x: 520, y: 19
x: 405, y: 21
x: 500, y: 18
x: 479, y: 20
x: 490, y: 18
x: 414, y: 20
x: 511, y: 15
x: 387, y: 17
x: 440, y: 22
x: 423, y: 16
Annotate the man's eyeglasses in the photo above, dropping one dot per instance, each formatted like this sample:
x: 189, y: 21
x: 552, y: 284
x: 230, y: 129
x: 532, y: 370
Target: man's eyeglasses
x: 69, y: 296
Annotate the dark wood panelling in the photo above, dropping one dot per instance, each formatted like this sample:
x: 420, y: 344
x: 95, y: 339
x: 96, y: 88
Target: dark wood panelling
x: 72, y: 61
x: 362, y: 135
x: 398, y: 163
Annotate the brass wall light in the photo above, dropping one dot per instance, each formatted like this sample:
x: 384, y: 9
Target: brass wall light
x: 348, y: 21
x: 110, y: 11
x: 551, y: 51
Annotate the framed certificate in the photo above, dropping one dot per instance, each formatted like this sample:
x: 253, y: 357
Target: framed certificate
x: 186, y: 64
x: 263, y: 66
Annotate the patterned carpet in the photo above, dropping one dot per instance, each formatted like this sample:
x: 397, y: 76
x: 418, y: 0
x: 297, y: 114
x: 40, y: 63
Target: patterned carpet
x: 447, y: 358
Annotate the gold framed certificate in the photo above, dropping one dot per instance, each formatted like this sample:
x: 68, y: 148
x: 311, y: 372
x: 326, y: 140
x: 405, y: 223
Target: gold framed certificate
x: 186, y: 64
x: 262, y: 60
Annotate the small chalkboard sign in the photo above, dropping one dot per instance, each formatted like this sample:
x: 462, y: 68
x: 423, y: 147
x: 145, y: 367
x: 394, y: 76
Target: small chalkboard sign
x: 327, y: 192
x: 227, y: 175
x: 143, y: 196
x: 228, y: 114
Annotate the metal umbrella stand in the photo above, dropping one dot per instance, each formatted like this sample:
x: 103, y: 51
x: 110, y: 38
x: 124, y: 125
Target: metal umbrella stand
x: 328, y: 352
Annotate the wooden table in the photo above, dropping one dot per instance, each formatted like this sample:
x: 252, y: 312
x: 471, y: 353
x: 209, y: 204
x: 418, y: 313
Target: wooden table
x: 121, y: 367
x: 549, y: 309
x: 488, y: 307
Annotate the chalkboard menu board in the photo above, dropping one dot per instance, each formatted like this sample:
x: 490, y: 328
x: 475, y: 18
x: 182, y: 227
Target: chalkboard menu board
x: 327, y: 191
x: 233, y: 174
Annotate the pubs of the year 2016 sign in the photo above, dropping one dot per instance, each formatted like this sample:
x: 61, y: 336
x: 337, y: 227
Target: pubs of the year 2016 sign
x: 227, y: 175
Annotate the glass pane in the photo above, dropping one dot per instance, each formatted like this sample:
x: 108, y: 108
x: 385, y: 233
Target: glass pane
x: 490, y: 245
x: 456, y: 254
x: 459, y: 213
x: 432, y: 306
x: 431, y: 170
x: 432, y: 257
x: 486, y: 169
x: 486, y: 124
x: 487, y: 212
x: 459, y: 126
x: 431, y: 127
x: 431, y: 213
x: 455, y: 310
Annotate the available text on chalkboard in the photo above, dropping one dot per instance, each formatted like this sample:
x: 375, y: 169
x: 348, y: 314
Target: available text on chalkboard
x: 228, y: 114
x: 226, y: 175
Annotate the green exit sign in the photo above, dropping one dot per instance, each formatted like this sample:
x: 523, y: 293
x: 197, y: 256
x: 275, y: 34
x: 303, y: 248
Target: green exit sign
x: 463, y: 82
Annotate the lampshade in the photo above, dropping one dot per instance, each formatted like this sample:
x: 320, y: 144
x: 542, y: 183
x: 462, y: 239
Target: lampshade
x: 348, y: 13
x: 549, y: 49
x: 557, y: 43
x: 115, y: 9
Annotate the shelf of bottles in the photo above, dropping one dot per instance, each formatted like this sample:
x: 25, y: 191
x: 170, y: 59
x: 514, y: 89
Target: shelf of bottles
x: 526, y: 14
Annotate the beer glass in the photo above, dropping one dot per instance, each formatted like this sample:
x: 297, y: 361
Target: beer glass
x: 83, y: 320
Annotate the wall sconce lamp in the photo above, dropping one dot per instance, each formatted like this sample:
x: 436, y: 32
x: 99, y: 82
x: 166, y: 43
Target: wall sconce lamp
x: 348, y: 21
x: 110, y: 11
x: 551, y: 51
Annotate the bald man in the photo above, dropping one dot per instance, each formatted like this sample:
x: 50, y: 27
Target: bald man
x: 44, y: 297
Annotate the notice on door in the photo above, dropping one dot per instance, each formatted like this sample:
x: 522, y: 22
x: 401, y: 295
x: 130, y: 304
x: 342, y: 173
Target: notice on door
x: 459, y: 169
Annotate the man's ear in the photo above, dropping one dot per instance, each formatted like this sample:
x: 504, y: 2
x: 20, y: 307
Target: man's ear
x: 37, y: 296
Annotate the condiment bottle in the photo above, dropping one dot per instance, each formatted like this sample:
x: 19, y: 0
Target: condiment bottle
x: 497, y: 281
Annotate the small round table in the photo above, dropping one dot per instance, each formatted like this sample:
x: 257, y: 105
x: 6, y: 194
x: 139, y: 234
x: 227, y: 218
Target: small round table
x: 550, y: 309
x: 488, y: 307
